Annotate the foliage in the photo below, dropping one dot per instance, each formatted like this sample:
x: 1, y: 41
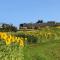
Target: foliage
x: 10, y: 52
x: 8, y: 39
x: 8, y: 28
x: 43, y: 44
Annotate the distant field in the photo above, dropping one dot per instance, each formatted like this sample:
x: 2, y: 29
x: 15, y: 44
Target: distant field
x: 43, y: 44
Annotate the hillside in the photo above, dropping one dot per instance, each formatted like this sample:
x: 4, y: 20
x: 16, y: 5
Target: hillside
x: 47, y: 46
x: 43, y: 44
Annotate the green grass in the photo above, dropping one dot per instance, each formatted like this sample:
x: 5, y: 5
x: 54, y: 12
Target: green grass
x: 11, y: 52
x: 44, y: 49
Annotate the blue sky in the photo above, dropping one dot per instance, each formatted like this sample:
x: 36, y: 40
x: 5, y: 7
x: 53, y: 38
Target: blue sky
x: 20, y: 11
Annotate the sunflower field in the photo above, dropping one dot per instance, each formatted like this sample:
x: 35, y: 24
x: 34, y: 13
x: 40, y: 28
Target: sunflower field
x: 11, y: 47
x: 43, y: 44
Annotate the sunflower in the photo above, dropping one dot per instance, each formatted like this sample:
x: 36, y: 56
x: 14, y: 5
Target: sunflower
x: 8, y: 41
x: 18, y: 38
x: 21, y: 42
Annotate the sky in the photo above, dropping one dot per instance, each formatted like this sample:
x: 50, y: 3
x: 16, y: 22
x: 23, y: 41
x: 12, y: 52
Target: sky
x: 24, y: 11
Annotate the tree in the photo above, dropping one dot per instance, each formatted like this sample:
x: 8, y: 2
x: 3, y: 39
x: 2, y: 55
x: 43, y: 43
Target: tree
x: 39, y: 21
x: 9, y: 28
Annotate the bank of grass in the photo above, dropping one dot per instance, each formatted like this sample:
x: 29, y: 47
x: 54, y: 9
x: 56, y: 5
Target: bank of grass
x: 45, y: 51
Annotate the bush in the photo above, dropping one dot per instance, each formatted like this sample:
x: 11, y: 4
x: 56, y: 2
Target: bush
x: 30, y: 38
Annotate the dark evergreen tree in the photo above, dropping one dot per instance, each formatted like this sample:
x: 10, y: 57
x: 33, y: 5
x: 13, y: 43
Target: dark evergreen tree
x: 39, y: 21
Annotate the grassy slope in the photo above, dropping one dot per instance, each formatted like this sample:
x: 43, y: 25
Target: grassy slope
x: 45, y: 51
x: 49, y: 50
